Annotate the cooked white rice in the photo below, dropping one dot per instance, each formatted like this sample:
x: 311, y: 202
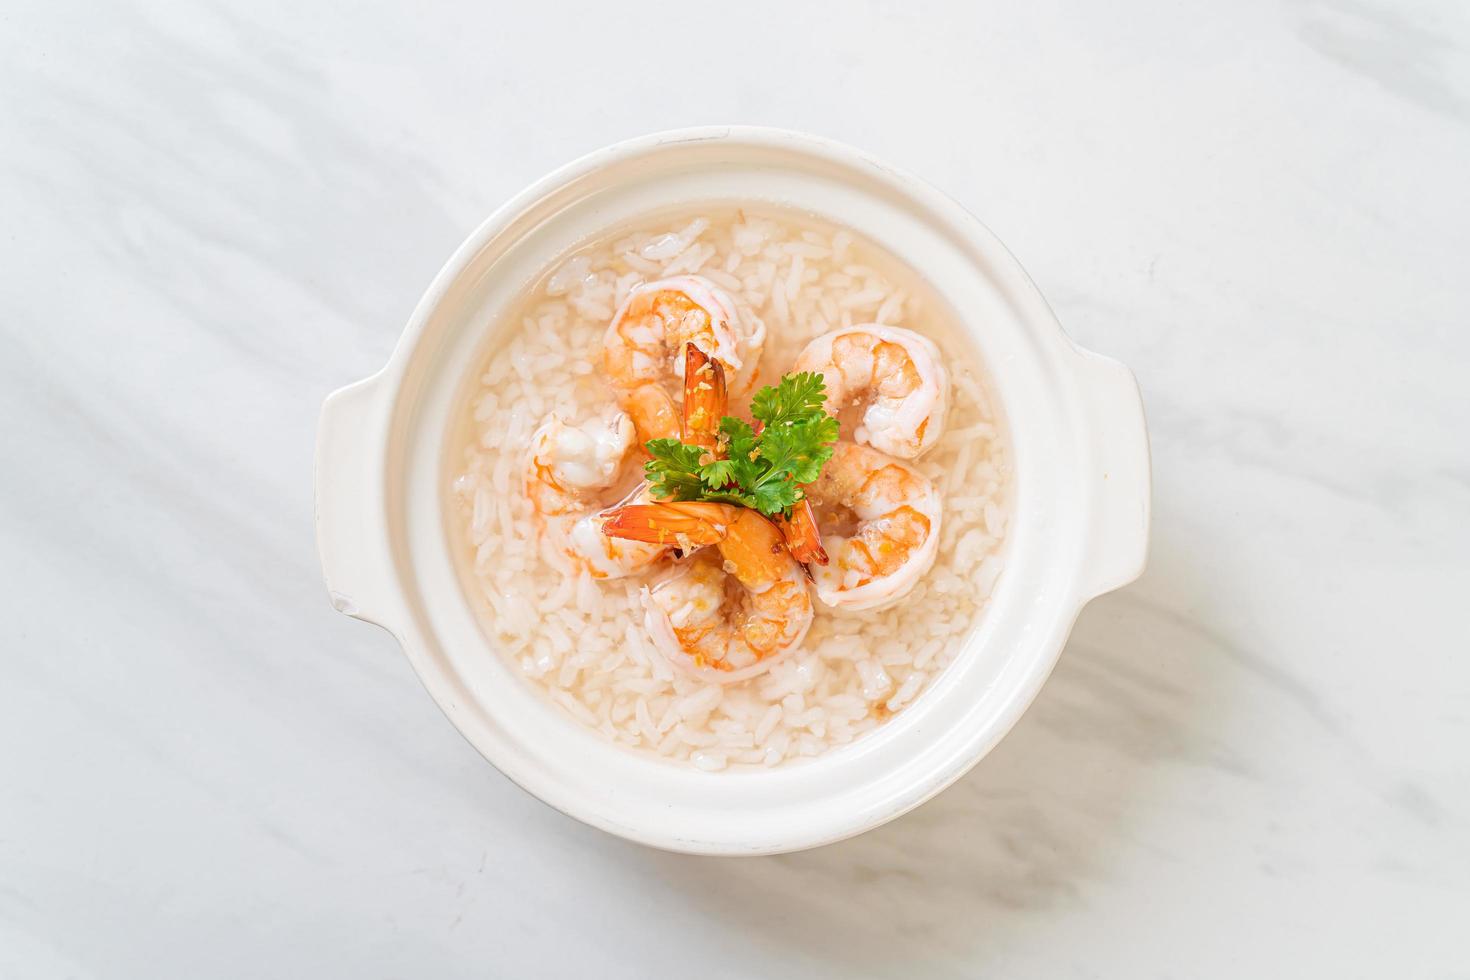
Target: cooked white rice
x: 582, y: 641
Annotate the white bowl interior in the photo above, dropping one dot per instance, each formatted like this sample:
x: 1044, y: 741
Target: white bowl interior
x: 965, y: 710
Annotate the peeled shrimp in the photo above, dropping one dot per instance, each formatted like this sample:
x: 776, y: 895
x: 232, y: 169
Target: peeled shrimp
x: 643, y: 352
x: 894, y: 378
x: 730, y: 611
x: 567, y: 469
x: 879, y: 519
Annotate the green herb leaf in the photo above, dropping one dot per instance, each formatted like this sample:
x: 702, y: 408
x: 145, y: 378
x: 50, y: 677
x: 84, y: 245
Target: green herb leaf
x: 775, y: 497
x: 762, y: 470
x: 673, y: 472
x: 717, y: 475
x: 798, y: 449
x: 737, y: 437
x: 795, y: 397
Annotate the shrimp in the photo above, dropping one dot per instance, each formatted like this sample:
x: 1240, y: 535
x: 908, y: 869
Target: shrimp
x: 801, y: 534
x: 880, y: 524
x: 567, y: 469
x: 893, y: 377
x: 729, y: 612
x: 653, y: 412
x: 705, y: 400
x: 643, y: 349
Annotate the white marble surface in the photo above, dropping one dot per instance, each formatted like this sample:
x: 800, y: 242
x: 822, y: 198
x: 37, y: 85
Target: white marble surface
x: 1255, y: 762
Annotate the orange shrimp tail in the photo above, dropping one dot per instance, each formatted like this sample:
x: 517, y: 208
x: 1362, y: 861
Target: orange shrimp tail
x: 679, y: 524
x: 802, y: 537
x: 705, y: 398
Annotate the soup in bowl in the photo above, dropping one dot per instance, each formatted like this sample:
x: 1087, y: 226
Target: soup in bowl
x: 668, y: 646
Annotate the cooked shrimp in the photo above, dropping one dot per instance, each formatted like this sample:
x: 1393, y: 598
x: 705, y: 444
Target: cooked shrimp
x: 654, y: 414
x: 645, y: 343
x: 880, y: 524
x: 697, y: 422
x: 801, y: 534
x: 894, y: 379
x: 727, y: 616
x: 705, y: 398
x: 567, y: 469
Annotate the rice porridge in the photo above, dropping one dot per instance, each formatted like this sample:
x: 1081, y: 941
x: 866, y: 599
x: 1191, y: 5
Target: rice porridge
x: 850, y: 642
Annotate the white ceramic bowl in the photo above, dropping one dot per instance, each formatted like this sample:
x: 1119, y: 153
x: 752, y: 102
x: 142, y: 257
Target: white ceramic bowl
x: 1079, y: 528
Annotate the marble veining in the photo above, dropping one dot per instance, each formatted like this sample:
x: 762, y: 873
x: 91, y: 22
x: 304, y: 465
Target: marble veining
x: 1253, y: 762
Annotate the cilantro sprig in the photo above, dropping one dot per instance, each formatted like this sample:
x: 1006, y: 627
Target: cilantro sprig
x: 762, y: 469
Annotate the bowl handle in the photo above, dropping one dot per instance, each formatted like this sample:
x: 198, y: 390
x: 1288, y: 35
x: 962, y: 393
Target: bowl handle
x: 351, y: 509
x: 1118, y: 470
